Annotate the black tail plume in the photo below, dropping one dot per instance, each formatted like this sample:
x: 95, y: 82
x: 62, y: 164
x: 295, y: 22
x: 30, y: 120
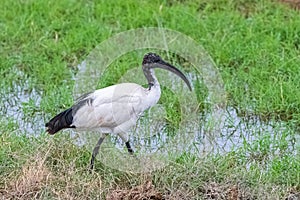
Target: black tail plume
x: 60, y: 121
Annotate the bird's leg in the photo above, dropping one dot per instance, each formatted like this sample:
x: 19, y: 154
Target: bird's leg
x: 130, y: 150
x: 96, y: 150
x: 125, y: 139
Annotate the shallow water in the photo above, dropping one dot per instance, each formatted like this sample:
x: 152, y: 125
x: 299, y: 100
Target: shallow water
x: 21, y: 105
x: 234, y: 133
x: 151, y: 133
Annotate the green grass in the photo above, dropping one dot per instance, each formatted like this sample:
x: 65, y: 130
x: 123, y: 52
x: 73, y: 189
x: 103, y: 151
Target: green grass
x: 62, y: 165
x: 255, y: 45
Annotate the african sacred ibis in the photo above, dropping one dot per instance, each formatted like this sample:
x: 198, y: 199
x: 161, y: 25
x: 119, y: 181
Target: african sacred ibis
x: 114, y: 109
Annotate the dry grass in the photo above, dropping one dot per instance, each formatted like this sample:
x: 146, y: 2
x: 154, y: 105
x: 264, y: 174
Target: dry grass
x: 29, y: 183
x: 40, y: 178
x: 293, y: 194
x: 293, y: 3
x: 148, y: 191
x: 225, y: 191
x: 143, y: 191
x: 72, y: 181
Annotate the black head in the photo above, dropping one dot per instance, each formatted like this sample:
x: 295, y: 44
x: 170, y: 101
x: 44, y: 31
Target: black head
x: 151, y: 58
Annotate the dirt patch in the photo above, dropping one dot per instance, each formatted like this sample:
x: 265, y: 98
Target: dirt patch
x: 140, y: 192
x: 224, y: 191
x: 182, y: 194
x: 29, y: 183
x: 293, y: 3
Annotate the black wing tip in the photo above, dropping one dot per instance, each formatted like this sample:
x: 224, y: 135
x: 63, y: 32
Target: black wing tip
x: 60, y: 121
x: 49, y: 129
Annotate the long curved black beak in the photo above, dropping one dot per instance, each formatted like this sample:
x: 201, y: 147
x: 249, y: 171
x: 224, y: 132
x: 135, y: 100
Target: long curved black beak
x: 164, y: 65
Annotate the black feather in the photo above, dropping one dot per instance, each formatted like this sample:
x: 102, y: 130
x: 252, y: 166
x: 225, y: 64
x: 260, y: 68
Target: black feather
x: 60, y: 121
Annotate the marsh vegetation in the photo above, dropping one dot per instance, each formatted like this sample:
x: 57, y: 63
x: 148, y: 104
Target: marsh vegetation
x: 255, y: 46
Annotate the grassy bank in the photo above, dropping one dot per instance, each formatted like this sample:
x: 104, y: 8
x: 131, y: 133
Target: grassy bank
x: 46, y: 168
x: 255, y: 45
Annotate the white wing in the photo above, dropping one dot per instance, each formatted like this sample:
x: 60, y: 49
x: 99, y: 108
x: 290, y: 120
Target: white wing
x: 112, y: 109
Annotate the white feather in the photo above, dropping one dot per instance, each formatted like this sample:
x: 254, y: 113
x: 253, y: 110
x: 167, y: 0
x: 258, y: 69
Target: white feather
x: 115, y: 109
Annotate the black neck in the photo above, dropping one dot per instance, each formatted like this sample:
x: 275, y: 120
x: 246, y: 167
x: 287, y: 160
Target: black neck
x: 150, y: 76
x: 150, y: 85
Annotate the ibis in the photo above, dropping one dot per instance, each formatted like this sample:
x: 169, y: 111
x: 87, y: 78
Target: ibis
x: 115, y: 109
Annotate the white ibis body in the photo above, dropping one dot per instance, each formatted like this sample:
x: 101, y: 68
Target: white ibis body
x: 114, y: 109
